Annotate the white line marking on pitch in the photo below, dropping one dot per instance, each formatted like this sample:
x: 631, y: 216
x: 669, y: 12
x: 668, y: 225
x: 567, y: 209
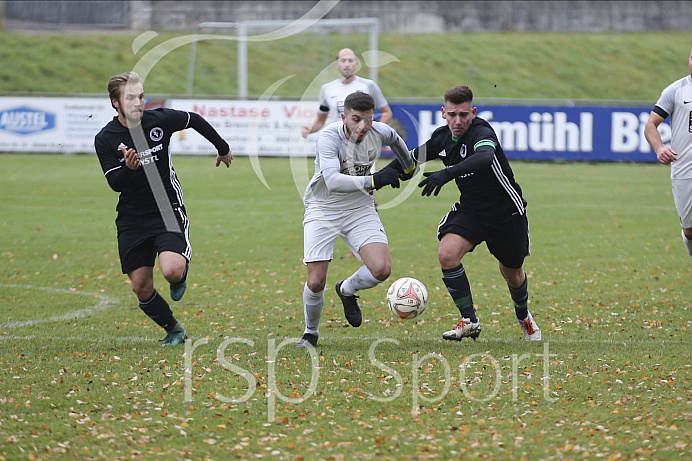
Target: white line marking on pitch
x: 105, y: 302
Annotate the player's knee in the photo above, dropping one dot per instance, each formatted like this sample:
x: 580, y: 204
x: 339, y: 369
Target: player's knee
x: 143, y: 288
x: 382, y: 271
x: 316, y: 284
x: 447, y: 257
x: 514, y: 277
x: 174, y: 273
x: 688, y: 233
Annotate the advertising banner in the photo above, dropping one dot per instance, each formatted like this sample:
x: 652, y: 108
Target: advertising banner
x: 257, y: 128
x: 273, y: 128
x: 528, y: 132
x: 57, y: 125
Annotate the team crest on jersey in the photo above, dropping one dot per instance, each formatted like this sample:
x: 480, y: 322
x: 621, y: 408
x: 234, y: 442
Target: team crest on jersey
x: 156, y: 134
x: 442, y: 154
x: 462, y: 151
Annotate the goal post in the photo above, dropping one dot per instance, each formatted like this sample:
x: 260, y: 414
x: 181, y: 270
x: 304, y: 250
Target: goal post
x: 243, y: 29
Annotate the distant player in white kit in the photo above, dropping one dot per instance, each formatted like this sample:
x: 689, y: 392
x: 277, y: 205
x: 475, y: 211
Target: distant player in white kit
x: 333, y: 94
x: 676, y: 102
x: 338, y: 203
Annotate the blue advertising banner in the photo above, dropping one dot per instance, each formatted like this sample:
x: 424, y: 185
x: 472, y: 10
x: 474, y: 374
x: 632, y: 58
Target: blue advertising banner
x: 530, y: 132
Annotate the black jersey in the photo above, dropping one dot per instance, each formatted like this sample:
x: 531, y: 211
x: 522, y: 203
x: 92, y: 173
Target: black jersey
x: 489, y: 192
x: 158, y: 125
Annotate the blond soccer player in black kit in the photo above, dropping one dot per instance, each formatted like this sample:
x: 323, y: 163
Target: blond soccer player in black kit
x: 491, y: 209
x: 145, y: 229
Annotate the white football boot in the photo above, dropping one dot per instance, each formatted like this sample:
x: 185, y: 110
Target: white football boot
x: 464, y: 329
x: 530, y: 329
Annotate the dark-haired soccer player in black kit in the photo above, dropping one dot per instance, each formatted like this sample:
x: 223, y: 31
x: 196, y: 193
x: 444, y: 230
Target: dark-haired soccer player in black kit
x: 151, y: 216
x: 491, y: 209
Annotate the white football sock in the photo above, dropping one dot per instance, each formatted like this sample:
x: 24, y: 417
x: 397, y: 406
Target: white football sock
x: 313, y: 303
x: 362, y: 279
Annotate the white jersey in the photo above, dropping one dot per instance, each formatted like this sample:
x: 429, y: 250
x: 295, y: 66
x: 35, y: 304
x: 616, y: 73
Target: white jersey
x: 333, y: 94
x: 342, y: 179
x: 676, y: 101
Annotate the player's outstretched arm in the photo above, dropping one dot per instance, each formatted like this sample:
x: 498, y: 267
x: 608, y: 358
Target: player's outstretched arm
x: 200, y: 125
x: 387, y: 114
x: 316, y: 125
x: 403, y: 156
x: 434, y: 180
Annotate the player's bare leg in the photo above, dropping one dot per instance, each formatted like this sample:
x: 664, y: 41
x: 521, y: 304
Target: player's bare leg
x: 377, y: 259
x: 155, y: 306
x: 376, y: 269
x: 174, y: 269
x: 142, y: 282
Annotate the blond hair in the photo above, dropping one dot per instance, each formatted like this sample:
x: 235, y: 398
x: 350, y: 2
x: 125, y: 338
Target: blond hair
x: 117, y: 81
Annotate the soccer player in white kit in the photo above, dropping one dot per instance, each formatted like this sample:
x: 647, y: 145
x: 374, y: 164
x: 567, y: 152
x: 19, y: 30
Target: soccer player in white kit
x: 338, y: 203
x: 333, y: 94
x: 676, y: 102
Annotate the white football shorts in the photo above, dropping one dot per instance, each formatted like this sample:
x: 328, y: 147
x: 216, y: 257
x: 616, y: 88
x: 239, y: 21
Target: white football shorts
x: 682, y: 195
x: 356, y: 228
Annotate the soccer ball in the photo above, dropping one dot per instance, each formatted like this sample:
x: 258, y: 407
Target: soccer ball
x: 407, y: 298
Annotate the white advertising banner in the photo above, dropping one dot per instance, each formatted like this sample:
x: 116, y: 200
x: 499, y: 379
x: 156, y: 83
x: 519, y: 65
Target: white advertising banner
x: 273, y: 128
x: 251, y: 128
x: 63, y: 125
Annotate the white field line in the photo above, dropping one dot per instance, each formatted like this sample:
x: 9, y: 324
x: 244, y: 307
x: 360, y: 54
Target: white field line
x: 105, y: 302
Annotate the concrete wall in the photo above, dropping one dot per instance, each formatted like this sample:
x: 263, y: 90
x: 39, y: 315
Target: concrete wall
x: 430, y: 16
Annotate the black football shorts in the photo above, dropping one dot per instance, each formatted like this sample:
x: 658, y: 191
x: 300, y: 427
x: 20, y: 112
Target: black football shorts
x: 138, y: 245
x: 507, y: 240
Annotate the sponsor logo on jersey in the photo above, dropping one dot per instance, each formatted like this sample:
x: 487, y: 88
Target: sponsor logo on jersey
x: 25, y: 120
x: 148, y: 156
x: 156, y: 134
x: 356, y: 170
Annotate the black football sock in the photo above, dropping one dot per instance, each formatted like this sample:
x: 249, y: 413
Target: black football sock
x: 520, y: 296
x: 159, y: 311
x: 458, y: 286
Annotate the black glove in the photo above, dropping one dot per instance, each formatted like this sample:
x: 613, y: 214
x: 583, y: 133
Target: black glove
x: 403, y: 175
x: 385, y: 177
x: 434, y: 180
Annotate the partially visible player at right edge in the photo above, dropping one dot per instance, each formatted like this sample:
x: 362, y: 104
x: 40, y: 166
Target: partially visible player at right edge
x: 676, y: 101
x: 491, y: 209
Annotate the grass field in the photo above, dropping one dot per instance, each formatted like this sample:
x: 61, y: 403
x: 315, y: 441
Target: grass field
x: 632, y: 66
x: 84, y: 376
